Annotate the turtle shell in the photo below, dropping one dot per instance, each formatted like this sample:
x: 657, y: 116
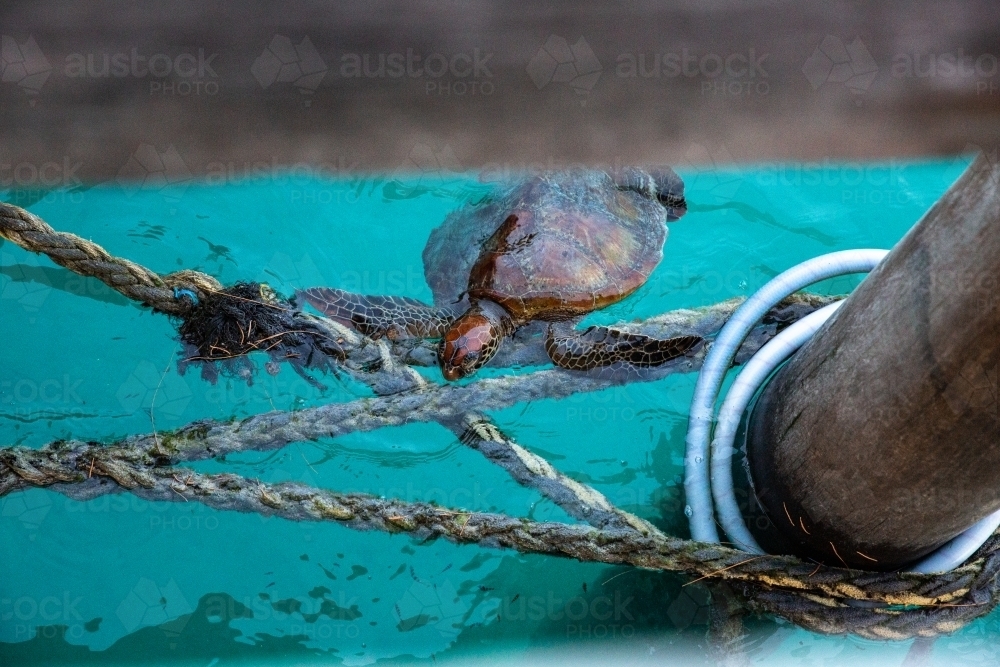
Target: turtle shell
x: 551, y: 247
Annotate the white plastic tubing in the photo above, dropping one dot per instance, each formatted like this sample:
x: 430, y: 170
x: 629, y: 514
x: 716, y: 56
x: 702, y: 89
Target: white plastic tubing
x: 708, y: 467
x: 740, y: 393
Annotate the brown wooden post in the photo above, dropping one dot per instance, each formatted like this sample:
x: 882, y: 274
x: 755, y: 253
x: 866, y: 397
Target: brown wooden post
x: 880, y: 439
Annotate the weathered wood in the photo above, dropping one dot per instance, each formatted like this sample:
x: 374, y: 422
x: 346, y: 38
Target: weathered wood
x: 880, y: 439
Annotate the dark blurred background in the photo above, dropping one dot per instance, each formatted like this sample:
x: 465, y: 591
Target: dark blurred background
x: 104, y: 89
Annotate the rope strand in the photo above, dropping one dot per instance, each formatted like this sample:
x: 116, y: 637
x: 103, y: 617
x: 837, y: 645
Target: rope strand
x: 86, y: 258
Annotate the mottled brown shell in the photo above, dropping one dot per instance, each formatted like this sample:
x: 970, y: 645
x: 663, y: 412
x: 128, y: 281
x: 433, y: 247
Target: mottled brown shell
x: 566, y: 249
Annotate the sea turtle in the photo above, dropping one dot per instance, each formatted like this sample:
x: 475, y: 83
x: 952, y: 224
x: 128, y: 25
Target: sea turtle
x: 551, y: 247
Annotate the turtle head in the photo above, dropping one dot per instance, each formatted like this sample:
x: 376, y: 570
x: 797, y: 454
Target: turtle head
x: 669, y: 191
x: 659, y: 183
x: 473, y: 340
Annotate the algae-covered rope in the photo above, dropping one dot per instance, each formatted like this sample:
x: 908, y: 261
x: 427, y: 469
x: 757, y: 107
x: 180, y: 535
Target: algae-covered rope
x: 86, y: 258
x: 214, y: 326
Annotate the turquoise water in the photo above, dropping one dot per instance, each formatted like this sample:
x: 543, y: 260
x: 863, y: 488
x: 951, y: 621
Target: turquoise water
x: 118, y: 580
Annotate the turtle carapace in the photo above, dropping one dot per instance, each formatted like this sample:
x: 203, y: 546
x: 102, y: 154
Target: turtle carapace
x: 551, y: 247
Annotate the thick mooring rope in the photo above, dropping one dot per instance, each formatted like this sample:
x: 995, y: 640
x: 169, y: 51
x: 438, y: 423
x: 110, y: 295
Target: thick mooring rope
x: 89, y: 259
x: 881, y: 605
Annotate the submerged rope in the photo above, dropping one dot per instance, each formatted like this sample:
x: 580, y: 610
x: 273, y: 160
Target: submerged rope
x: 825, y: 599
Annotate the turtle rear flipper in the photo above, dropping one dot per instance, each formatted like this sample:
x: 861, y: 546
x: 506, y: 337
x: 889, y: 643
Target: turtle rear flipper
x: 601, y: 346
x: 394, y: 317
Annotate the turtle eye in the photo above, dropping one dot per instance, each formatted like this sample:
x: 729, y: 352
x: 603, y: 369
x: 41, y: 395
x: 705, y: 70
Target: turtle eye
x: 461, y: 356
x: 467, y: 346
x: 453, y: 359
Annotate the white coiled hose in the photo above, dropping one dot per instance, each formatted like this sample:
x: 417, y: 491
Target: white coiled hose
x: 708, y: 468
x: 720, y: 358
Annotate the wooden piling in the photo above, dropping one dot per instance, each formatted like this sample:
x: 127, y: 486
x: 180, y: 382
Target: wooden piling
x: 880, y: 439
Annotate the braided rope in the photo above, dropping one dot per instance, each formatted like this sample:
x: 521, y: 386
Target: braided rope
x: 877, y: 605
x: 89, y: 259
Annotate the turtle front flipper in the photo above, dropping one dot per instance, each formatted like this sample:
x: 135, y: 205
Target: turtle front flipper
x: 600, y: 346
x: 394, y: 317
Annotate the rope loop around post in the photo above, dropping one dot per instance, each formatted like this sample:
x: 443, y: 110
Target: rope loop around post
x: 751, y: 380
x: 720, y: 357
